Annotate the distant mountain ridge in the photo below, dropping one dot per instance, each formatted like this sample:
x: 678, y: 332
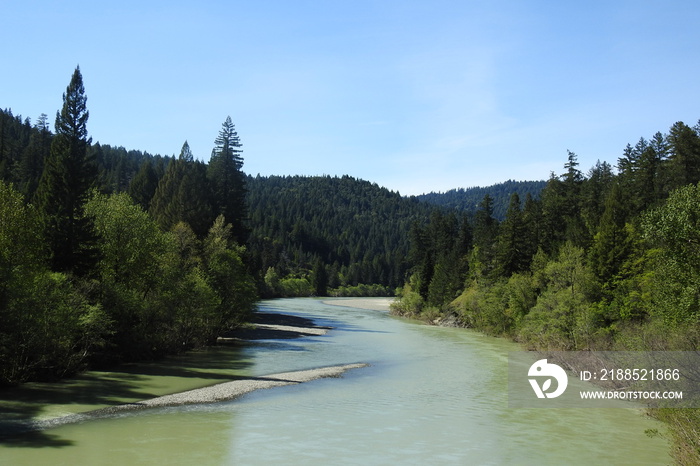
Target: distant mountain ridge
x: 467, y: 199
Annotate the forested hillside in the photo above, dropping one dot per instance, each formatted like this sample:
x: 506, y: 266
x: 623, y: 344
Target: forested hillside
x: 468, y: 199
x: 312, y: 235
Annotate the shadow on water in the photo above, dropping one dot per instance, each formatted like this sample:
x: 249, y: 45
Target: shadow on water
x: 295, y: 327
x: 22, y: 408
x: 34, y: 439
x: 90, y: 395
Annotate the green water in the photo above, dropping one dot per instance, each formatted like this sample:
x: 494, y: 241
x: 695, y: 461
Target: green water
x: 431, y: 396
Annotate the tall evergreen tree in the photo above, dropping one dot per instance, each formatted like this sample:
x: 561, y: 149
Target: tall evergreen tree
x: 143, y: 187
x: 422, y: 256
x: 553, y: 219
x: 319, y: 278
x: 532, y: 224
x: 572, y: 183
x: 225, y: 171
x: 161, y: 207
x: 446, y: 280
x: 183, y: 195
x: 640, y: 172
x: 69, y: 175
x: 485, y: 233
x: 593, y: 194
x: 511, y: 252
x: 610, y: 246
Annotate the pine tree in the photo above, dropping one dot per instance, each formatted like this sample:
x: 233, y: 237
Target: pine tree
x: 143, y: 186
x: 183, y: 195
x: 593, y: 194
x: 225, y: 172
x: 572, y: 183
x: 610, y: 246
x: 511, y: 253
x: 161, y: 207
x: 194, y: 199
x: 640, y: 172
x: 443, y: 234
x: 69, y: 174
x: 319, y: 278
x: 532, y: 224
x: 485, y: 233
x: 422, y: 256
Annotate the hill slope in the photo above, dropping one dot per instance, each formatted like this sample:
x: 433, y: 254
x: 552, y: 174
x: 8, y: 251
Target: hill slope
x: 467, y: 199
x: 357, y: 229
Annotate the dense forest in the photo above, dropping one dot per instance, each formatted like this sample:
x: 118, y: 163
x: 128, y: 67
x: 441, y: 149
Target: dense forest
x: 329, y: 235
x: 340, y: 236
x: 468, y: 199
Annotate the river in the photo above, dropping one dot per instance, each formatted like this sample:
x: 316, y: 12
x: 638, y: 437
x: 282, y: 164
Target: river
x: 431, y: 395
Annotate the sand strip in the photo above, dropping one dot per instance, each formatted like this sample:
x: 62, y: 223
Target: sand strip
x: 372, y: 304
x: 229, y: 390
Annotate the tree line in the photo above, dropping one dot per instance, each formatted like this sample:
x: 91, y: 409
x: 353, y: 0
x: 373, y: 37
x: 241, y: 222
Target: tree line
x: 109, y: 256
x: 606, y: 260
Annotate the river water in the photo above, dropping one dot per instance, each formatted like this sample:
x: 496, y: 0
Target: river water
x: 431, y: 395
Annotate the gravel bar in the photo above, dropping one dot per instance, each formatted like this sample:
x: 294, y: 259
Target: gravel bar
x: 212, y: 394
x: 229, y: 390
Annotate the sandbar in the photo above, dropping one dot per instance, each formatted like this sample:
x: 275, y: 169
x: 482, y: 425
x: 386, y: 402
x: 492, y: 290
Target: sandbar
x: 215, y: 393
x: 372, y: 304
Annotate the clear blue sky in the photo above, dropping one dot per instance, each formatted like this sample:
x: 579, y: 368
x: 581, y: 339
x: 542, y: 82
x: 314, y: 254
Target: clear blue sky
x: 416, y: 96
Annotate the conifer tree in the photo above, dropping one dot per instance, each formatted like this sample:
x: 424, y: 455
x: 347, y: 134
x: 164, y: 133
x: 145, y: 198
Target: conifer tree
x: 161, y: 207
x: 225, y: 172
x: 143, y: 187
x: 532, y: 224
x: 510, y: 251
x: 183, y: 195
x: 593, y: 194
x: 69, y: 174
x: 610, y: 246
x: 319, y: 278
x: 485, y: 233
x: 572, y: 184
x: 684, y: 144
